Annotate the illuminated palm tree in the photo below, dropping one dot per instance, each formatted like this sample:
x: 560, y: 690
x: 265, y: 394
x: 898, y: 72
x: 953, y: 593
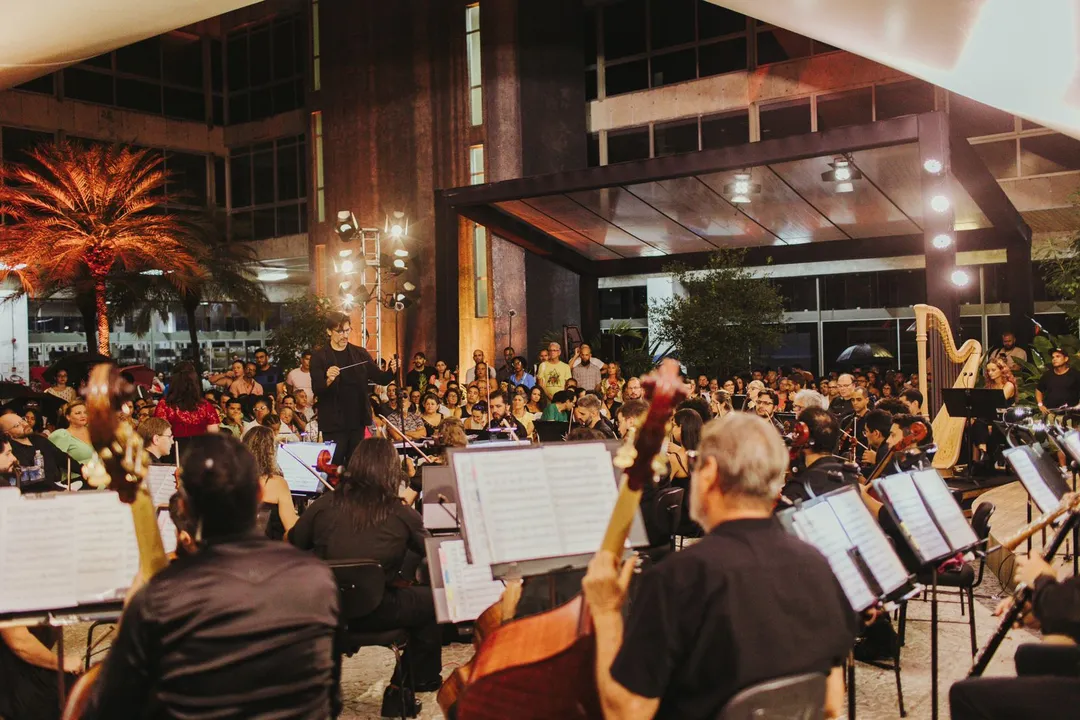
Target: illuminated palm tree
x: 89, y: 211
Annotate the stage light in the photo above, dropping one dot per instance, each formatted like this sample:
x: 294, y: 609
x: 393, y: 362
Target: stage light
x: 347, y: 266
x: 345, y: 253
x: 408, y: 286
x: 844, y: 187
x: 942, y: 241
x: 933, y: 166
x: 400, y: 250
x: 740, y: 190
x: 940, y: 203
x: 843, y: 173
x: 397, y: 225
x: 346, y: 226
x: 960, y: 278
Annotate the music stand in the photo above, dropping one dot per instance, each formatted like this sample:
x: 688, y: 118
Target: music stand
x: 973, y: 403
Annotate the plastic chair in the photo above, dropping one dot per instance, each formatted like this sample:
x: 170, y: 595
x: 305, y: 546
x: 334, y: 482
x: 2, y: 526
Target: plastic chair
x: 797, y: 697
x: 362, y: 584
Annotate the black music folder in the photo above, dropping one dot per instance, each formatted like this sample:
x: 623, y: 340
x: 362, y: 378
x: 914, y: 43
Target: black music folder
x: 927, y: 514
x: 438, y: 498
x: 1040, y: 475
x: 864, y: 562
x: 974, y: 402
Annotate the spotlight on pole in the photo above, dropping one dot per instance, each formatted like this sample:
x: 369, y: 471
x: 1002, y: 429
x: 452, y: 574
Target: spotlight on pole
x: 346, y: 226
x: 942, y: 241
x: 393, y: 265
x: 843, y: 174
x: 397, y: 225
x: 960, y: 278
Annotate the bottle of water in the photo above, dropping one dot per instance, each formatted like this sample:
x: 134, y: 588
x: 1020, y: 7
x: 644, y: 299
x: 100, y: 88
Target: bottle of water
x: 39, y: 466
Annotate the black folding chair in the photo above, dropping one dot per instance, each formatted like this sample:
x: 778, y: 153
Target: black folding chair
x: 797, y: 697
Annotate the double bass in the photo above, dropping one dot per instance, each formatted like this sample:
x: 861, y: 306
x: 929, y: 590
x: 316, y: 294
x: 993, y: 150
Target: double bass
x: 544, y: 666
x: 121, y: 464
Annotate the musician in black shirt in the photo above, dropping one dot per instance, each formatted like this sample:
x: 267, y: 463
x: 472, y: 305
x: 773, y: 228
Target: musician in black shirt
x: 502, y: 420
x: 587, y: 413
x: 822, y: 471
x: 746, y: 604
x: 245, y: 627
x: 1059, y: 385
x: 1055, y: 610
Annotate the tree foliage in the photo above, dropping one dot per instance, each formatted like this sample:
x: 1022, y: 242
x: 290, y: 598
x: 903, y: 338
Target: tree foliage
x: 1061, y: 270
x: 723, y: 318
x: 303, y: 327
x: 86, y: 212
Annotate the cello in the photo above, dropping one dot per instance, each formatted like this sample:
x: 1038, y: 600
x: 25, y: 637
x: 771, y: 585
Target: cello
x: 121, y: 464
x: 519, y: 664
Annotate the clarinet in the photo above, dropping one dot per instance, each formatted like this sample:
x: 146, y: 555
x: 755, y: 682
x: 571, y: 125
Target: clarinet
x: 1021, y: 596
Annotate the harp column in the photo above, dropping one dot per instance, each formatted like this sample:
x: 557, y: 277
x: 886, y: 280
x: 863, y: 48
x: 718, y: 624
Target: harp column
x: 939, y: 236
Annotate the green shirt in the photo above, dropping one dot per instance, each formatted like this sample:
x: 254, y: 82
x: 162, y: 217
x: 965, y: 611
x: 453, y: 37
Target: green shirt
x: 551, y: 412
x: 79, y: 451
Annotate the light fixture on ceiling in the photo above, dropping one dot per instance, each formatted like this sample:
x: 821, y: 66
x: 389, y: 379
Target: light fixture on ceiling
x: 939, y: 203
x: 346, y: 226
x: 843, y: 173
x: 933, y: 166
x: 942, y: 241
x: 740, y: 190
x: 960, y: 278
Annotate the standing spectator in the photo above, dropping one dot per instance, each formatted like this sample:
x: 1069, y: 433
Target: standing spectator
x: 60, y: 388
x: 586, y: 369
x: 503, y: 373
x: 421, y: 375
x: 1010, y: 351
x: 1060, y: 384
x: 184, y: 407
x: 632, y: 390
x: 269, y: 376
x: 519, y: 377
x: 841, y: 404
x: 246, y: 385
x: 613, y: 380
x: 553, y: 374
x: 300, y: 378
x: 227, y: 378
x: 478, y: 359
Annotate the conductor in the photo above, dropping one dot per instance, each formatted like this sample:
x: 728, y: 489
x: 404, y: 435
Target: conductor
x: 340, y: 373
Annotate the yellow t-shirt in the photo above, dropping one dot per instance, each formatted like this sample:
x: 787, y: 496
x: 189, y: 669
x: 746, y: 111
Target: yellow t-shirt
x: 552, y: 377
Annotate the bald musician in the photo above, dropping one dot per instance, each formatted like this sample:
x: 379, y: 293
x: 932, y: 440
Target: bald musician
x: 730, y: 611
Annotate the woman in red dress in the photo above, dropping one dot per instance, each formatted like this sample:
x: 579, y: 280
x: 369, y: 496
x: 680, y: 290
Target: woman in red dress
x: 184, y: 407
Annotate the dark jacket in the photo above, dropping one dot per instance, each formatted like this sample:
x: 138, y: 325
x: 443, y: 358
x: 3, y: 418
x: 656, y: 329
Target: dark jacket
x: 823, y: 475
x: 343, y: 405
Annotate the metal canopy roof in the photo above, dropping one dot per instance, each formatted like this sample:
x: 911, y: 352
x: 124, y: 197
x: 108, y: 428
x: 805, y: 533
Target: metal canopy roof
x: 635, y: 216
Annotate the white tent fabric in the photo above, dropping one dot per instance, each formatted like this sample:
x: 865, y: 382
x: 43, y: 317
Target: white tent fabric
x: 1020, y: 56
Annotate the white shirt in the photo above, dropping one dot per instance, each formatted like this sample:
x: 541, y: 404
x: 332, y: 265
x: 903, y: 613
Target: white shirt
x: 299, y: 379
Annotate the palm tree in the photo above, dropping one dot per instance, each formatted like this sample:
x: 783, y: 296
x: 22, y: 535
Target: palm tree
x: 89, y: 211
x: 229, y: 275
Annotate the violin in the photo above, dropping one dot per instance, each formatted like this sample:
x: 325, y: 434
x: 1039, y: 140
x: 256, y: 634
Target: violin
x: 121, y: 464
x: 916, y: 434
x: 323, y: 465
x: 519, y: 662
x: 796, y: 440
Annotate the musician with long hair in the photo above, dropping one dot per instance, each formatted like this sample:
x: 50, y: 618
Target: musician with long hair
x: 731, y: 610
x: 277, y: 514
x: 986, y: 439
x: 244, y: 627
x: 365, y: 518
x: 1055, y: 610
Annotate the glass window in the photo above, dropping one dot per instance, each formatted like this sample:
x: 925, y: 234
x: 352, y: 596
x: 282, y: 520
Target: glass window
x: 624, y: 303
x: 288, y: 173
x: 480, y: 263
x: 288, y: 220
x: 626, y: 77
x: 320, y: 182
x: 671, y: 22
x: 182, y: 60
x: 722, y: 57
x: 43, y: 84
x: 591, y: 87
x: 240, y: 176
x: 184, y: 104
x: 777, y: 45
x: 909, y: 97
x: 96, y: 87
x: 1049, y: 153
x: 785, y: 119
x: 263, y: 224
x: 837, y: 336
x: 800, y: 293
x: 217, y: 65
x: 725, y: 130
x: 714, y: 21
x: 627, y: 145
x: 316, y: 51
x: 674, y: 67
x: 284, y: 52
x: 142, y: 58
x: 472, y: 50
x: 188, y: 173
x: 266, y: 65
x: 971, y: 118
x: 1000, y: 157
x: 589, y: 31
x: 138, y: 95
x: 476, y: 165
x: 624, y: 29
x: 260, y: 57
x: 847, y: 108
x: 592, y: 149
x: 676, y: 137
x: 237, y: 49
x: 219, y: 182
x: 262, y: 166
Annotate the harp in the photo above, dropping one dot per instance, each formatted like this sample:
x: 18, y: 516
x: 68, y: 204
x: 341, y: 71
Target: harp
x: 951, y: 366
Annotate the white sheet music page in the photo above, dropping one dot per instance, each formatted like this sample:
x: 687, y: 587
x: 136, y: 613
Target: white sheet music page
x: 583, y: 491
x: 106, y: 550
x: 1033, y: 482
x: 915, y: 518
x: 167, y: 530
x: 947, y: 512
x: 161, y: 481
x: 37, y: 554
x: 870, y: 539
x: 819, y: 526
x: 469, y: 588
x: 516, y: 500
x: 470, y: 515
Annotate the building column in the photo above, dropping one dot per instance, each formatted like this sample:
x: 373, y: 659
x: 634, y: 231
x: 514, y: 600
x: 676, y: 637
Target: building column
x: 447, y: 307
x: 1021, y: 294
x: 589, y: 299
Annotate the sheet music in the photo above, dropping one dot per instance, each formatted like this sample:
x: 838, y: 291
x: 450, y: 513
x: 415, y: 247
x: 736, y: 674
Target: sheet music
x: 584, y: 494
x: 161, y: 481
x: 106, y: 552
x: 915, y: 519
x: 299, y: 476
x: 946, y: 511
x: 1072, y: 445
x: 470, y: 515
x: 1032, y: 480
x: 469, y: 588
x: 517, y: 504
x: 869, y: 538
x: 167, y: 530
x: 819, y: 526
x: 37, y: 558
